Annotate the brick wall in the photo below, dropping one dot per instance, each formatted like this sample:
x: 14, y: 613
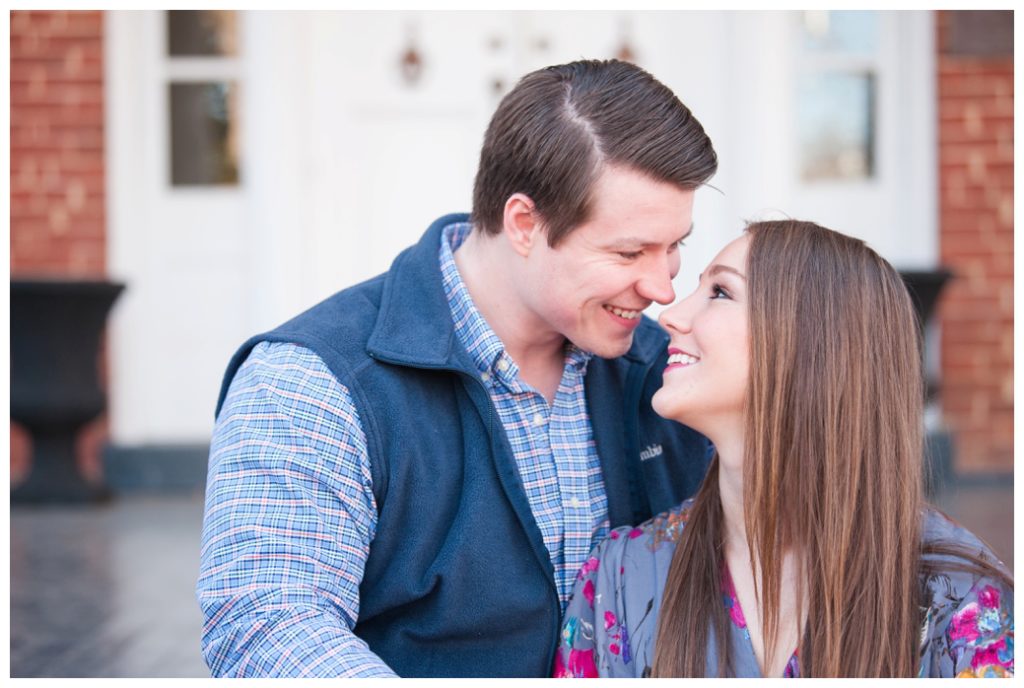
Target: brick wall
x: 975, y: 92
x: 58, y: 223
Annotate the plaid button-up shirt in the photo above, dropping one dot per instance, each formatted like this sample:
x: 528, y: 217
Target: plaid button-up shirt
x: 290, y: 511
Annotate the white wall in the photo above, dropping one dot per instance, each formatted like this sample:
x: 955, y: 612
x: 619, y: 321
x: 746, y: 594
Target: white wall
x: 344, y: 165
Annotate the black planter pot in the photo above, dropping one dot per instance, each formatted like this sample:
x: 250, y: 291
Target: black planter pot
x: 925, y: 286
x: 55, y: 336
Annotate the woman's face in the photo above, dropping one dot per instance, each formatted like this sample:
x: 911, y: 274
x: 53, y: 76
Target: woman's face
x: 705, y: 383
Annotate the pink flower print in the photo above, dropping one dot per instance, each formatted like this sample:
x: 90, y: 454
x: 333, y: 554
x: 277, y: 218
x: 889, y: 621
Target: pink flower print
x: 588, y: 592
x: 614, y: 535
x: 989, y: 597
x: 589, y: 565
x: 989, y: 655
x: 792, y: 667
x: 614, y: 648
x: 635, y: 533
x: 609, y: 620
x: 735, y: 613
x: 581, y: 664
x: 964, y: 624
x: 731, y: 601
x: 560, y: 671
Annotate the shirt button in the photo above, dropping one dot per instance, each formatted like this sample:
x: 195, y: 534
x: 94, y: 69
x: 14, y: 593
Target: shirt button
x: 575, y: 503
x: 503, y: 365
x: 538, y: 420
x: 486, y: 377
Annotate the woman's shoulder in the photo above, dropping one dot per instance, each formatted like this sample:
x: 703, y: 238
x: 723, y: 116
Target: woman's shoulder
x: 968, y: 626
x: 952, y: 551
x: 645, y: 551
x: 939, y: 528
x: 654, y: 538
x: 609, y: 626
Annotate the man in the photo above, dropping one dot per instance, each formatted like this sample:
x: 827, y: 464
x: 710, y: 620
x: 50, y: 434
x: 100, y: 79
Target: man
x: 407, y: 477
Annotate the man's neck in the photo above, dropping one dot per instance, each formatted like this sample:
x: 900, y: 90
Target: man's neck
x: 486, y: 271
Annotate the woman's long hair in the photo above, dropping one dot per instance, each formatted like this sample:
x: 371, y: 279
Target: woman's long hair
x: 832, y: 469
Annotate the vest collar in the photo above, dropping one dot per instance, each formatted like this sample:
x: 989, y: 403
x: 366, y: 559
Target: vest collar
x: 414, y: 325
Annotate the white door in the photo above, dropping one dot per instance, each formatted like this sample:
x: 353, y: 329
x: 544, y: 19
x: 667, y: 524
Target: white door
x: 181, y: 248
x: 356, y: 129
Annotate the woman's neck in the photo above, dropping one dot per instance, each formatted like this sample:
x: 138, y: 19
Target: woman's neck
x: 737, y: 553
x: 730, y: 487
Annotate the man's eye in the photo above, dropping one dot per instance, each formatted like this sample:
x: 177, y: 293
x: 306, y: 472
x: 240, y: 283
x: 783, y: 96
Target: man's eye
x: 630, y: 255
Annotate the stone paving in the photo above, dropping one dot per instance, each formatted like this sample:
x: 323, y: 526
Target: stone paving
x: 108, y: 591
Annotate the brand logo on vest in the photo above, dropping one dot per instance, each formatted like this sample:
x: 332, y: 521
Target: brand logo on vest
x: 651, y: 451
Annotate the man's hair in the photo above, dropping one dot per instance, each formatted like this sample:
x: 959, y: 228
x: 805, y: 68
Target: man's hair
x: 555, y: 132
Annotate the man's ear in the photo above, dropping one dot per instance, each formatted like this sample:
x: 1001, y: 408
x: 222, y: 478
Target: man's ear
x: 521, y: 224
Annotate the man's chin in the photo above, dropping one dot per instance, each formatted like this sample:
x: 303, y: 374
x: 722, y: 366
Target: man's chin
x: 611, y: 348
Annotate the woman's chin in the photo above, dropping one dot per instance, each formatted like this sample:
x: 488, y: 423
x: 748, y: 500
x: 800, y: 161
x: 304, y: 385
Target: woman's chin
x: 668, y: 407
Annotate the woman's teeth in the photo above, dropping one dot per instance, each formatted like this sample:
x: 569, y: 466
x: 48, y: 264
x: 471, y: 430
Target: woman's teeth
x: 682, y: 359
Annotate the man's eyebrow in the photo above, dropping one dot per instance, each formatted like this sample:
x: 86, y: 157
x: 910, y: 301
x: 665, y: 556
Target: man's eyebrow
x: 635, y: 242
x: 715, y: 269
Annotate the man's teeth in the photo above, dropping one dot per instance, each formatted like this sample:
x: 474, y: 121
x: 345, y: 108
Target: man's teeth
x: 628, y: 315
x: 684, y: 359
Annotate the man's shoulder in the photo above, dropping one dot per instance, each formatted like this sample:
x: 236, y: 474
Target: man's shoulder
x: 340, y: 310
x: 341, y: 323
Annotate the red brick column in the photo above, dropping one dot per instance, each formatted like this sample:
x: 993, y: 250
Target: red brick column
x: 58, y: 222
x: 975, y: 105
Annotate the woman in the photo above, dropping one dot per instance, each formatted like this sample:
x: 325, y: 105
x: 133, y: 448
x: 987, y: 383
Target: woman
x: 808, y: 551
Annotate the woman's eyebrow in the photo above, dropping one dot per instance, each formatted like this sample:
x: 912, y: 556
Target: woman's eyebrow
x: 715, y: 269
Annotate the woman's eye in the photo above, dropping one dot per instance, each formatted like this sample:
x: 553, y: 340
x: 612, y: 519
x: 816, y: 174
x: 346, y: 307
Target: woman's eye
x: 718, y: 293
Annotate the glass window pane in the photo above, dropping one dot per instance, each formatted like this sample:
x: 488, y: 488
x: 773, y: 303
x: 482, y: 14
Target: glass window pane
x: 849, y: 32
x: 202, y: 32
x: 204, y: 133
x: 836, y: 123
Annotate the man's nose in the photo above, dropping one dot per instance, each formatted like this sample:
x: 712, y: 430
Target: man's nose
x: 656, y: 284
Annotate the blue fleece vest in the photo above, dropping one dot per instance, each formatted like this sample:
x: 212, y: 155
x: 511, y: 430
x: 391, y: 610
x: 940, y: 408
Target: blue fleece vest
x: 458, y: 581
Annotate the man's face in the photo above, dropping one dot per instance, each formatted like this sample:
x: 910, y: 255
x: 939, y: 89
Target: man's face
x: 592, y: 287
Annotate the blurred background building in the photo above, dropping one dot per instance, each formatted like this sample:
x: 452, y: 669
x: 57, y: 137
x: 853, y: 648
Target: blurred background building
x: 232, y: 168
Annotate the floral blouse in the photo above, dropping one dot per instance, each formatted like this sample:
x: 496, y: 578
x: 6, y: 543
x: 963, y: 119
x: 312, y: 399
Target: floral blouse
x: 609, y: 627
